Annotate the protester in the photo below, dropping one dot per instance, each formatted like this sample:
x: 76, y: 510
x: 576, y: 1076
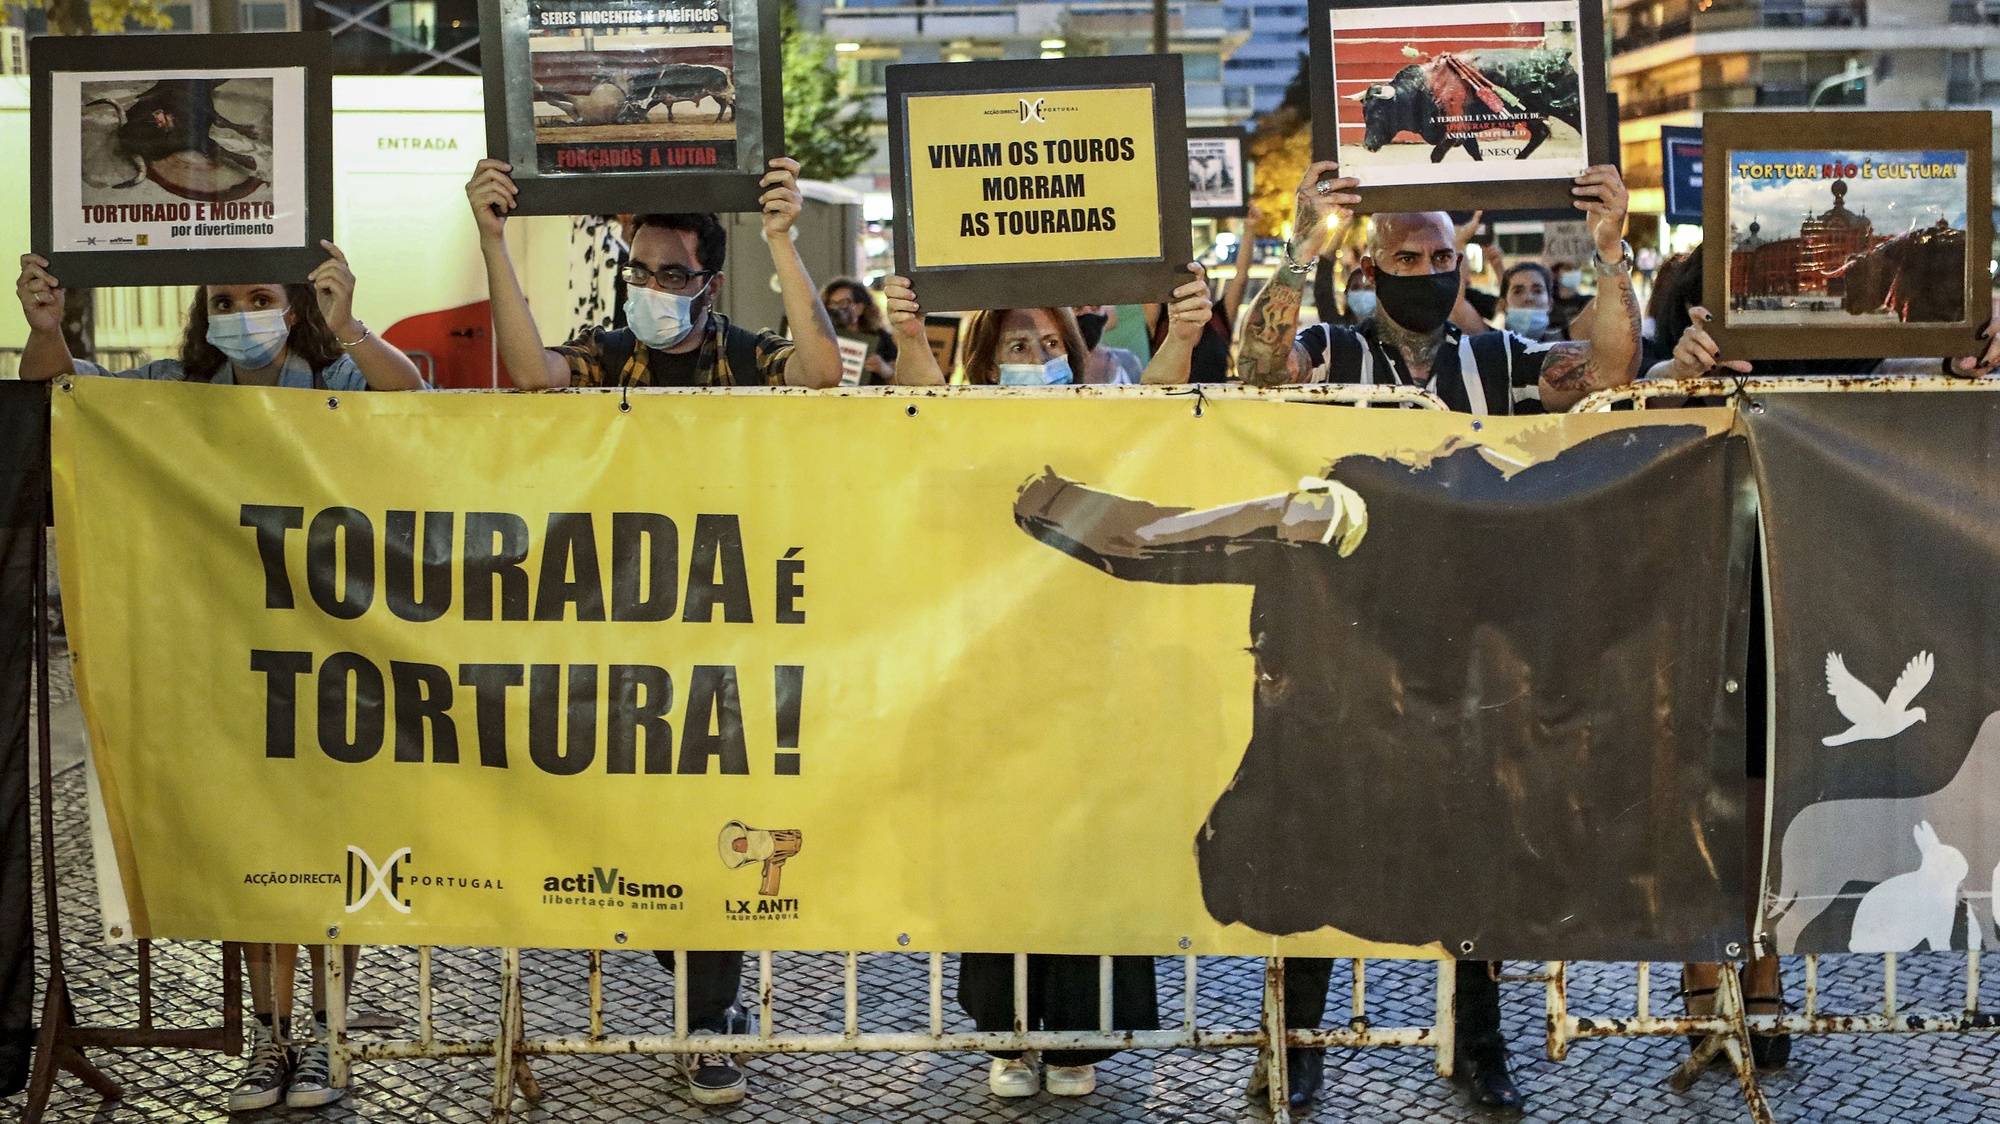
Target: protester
x: 1678, y: 315
x: 1415, y: 262
x: 302, y: 336
x: 1034, y: 346
x: 852, y: 309
x: 674, y: 336
x: 1527, y: 292
x: 1106, y: 364
x: 1569, y: 299
x: 292, y: 335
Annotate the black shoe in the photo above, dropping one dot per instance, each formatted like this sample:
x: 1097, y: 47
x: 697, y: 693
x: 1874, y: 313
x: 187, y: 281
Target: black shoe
x: 1486, y: 1075
x: 1305, y: 1066
x: 1773, y: 1051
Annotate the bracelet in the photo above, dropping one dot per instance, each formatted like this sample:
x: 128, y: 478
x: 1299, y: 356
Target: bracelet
x: 1623, y: 267
x: 350, y: 345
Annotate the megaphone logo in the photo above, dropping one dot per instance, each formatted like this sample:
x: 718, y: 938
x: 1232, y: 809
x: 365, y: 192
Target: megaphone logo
x: 742, y: 845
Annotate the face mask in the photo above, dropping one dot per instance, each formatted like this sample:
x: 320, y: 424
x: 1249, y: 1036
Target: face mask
x: 1055, y: 372
x: 1092, y: 325
x: 1571, y: 279
x: 1419, y: 304
x: 251, y: 340
x: 660, y: 320
x: 843, y: 318
x: 1528, y: 321
x: 1361, y: 303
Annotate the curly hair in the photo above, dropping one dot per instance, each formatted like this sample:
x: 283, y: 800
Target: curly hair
x: 982, y: 342
x: 870, y: 319
x: 311, y: 339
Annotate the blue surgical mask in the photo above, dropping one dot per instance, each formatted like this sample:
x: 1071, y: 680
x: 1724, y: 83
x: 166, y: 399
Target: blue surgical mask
x: 1055, y: 372
x: 251, y: 340
x: 1571, y: 279
x: 1528, y: 321
x: 660, y: 320
x: 1361, y: 303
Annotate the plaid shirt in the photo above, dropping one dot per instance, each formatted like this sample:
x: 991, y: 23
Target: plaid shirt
x: 729, y: 356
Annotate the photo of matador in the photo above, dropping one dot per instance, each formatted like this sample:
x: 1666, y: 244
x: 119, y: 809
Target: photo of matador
x: 1445, y: 614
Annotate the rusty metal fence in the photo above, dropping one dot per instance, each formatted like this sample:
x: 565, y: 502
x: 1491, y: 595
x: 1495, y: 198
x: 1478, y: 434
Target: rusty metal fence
x: 1725, y: 1033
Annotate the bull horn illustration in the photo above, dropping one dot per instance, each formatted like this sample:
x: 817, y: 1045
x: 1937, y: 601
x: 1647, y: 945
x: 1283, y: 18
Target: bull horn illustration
x: 742, y: 845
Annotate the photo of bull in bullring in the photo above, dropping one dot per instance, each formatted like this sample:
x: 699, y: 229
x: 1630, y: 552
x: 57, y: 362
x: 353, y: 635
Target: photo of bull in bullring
x: 1459, y: 92
x: 633, y: 87
x: 1847, y: 238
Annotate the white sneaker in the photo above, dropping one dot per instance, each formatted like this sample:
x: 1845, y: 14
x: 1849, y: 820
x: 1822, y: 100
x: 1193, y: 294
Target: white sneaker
x: 1012, y: 1077
x: 1070, y: 1080
x: 312, y: 1074
x: 265, y: 1066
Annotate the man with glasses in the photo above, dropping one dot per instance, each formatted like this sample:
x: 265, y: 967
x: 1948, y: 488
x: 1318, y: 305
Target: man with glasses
x: 673, y: 335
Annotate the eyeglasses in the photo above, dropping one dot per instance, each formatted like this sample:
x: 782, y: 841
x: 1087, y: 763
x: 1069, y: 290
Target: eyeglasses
x: 673, y: 278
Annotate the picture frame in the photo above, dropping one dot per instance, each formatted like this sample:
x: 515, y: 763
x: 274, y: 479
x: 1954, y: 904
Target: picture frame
x: 1219, y: 158
x: 1520, y: 131
x: 181, y: 159
x: 1110, y: 129
x: 1811, y: 268
x: 1681, y: 173
x: 606, y: 140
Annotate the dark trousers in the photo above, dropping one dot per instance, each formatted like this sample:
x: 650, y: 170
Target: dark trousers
x: 1478, y: 1009
x: 1062, y: 995
x: 712, y: 979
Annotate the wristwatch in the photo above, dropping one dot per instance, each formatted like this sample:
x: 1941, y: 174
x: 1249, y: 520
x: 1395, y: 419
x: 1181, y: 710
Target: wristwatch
x: 1623, y: 268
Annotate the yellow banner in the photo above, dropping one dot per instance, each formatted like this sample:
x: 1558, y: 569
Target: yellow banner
x: 1035, y: 176
x: 715, y: 672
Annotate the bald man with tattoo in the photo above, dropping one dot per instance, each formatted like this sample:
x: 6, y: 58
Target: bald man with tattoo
x: 1414, y: 262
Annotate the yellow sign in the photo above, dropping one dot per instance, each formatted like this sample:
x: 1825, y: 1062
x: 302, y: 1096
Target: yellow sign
x: 1033, y: 176
x: 718, y: 672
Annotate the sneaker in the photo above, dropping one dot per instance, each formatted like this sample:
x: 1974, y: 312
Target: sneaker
x: 312, y: 1074
x: 711, y: 1078
x: 1070, y: 1080
x: 265, y: 1066
x: 1012, y: 1077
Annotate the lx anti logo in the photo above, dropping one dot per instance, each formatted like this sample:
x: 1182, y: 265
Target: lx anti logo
x: 366, y: 878
x: 1032, y: 110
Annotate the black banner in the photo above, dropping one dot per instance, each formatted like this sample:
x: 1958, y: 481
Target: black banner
x: 1882, y: 517
x: 24, y: 489
x: 1509, y: 721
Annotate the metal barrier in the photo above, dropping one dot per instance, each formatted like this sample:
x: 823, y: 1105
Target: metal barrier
x: 1730, y: 1028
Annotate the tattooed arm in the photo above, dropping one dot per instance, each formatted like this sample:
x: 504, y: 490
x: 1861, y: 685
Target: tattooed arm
x: 1611, y: 356
x: 1266, y: 351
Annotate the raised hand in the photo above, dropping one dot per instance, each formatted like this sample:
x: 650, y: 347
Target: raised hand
x: 782, y: 201
x: 492, y: 194
x: 41, y: 294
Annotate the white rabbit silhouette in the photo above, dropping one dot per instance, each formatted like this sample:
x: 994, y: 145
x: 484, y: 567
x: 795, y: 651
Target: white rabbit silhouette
x: 1909, y: 909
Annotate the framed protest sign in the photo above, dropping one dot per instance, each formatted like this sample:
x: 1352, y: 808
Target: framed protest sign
x: 1219, y: 173
x: 614, y: 106
x: 1681, y: 173
x: 1438, y: 105
x: 1848, y: 235
x: 181, y: 159
x: 1031, y: 183
x: 855, y: 351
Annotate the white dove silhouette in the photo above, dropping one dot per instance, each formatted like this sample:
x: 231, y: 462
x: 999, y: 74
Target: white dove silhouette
x: 1873, y: 718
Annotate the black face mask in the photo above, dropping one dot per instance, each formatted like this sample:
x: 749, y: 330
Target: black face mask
x: 1091, y: 324
x: 1418, y: 304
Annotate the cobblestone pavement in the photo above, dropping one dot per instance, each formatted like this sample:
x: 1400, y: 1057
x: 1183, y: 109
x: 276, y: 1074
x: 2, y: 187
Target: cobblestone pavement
x: 1940, y: 1078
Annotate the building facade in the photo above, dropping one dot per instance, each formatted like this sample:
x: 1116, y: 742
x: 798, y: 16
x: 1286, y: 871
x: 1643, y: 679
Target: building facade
x: 1259, y: 70
x: 872, y: 35
x: 1674, y: 59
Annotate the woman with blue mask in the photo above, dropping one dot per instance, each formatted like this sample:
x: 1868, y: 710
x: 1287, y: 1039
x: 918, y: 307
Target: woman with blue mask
x: 1528, y: 294
x: 1039, y: 346
x: 302, y: 336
